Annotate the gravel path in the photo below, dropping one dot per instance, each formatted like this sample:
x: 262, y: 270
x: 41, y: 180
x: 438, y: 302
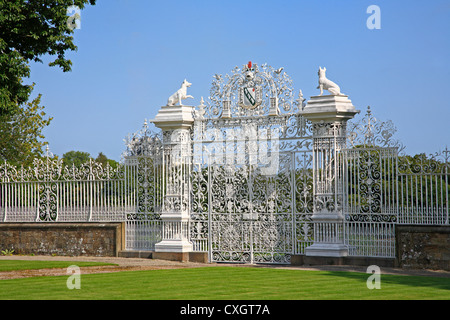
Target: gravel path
x: 122, y: 264
x: 131, y: 264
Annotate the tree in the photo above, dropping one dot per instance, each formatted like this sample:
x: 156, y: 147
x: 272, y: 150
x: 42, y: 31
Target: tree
x: 101, y: 158
x: 76, y: 158
x: 21, y: 133
x: 13, y: 68
x: 28, y: 30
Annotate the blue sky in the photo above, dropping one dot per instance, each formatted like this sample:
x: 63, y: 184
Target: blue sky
x: 133, y: 54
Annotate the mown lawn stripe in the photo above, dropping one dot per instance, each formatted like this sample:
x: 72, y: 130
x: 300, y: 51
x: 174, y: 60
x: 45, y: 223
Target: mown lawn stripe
x: 227, y: 283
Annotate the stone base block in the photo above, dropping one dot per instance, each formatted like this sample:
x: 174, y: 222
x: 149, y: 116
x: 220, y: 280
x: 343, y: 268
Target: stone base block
x: 200, y: 257
x: 423, y: 246
x: 172, y: 256
x: 173, y: 246
x: 327, y: 250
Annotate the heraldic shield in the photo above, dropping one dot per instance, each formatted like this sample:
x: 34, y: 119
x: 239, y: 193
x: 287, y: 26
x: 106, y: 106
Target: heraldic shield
x: 250, y: 97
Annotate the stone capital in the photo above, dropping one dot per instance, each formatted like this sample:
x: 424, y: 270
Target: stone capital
x: 329, y: 108
x: 174, y: 117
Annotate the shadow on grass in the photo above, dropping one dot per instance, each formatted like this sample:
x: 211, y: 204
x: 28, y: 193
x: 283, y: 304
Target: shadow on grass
x: 442, y: 283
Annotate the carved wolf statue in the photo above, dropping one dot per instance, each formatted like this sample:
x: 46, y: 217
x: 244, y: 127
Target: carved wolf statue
x: 326, y: 84
x: 180, y: 94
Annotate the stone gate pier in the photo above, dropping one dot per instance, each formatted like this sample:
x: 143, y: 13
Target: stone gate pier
x: 329, y: 115
x: 175, y: 121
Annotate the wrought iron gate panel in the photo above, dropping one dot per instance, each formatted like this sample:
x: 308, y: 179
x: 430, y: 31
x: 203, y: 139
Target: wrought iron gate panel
x: 145, y: 187
x: 371, y: 187
x: 247, y: 183
x: 200, y: 228
x: 251, y: 176
x: 371, y: 183
x: 251, y: 241
x: 303, y: 200
x: 251, y: 214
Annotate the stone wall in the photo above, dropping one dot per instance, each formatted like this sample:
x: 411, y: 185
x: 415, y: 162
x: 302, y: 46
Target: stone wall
x: 423, y: 247
x: 63, y: 239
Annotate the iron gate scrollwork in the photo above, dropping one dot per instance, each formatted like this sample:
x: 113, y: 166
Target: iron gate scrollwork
x: 143, y: 165
x: 371, y: 187
x: 251, y: 214
x: 251, y: 177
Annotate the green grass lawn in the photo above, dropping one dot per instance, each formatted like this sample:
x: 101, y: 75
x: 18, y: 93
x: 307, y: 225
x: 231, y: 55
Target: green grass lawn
x: 227, y: 283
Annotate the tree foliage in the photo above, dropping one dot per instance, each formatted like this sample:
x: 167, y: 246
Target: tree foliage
x: 101, y: 158
x: 30, y: 29
x: 21, y: 133
x: 77, y: 158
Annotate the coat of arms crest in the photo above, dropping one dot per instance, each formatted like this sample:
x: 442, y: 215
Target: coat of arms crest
x: 250, y: 95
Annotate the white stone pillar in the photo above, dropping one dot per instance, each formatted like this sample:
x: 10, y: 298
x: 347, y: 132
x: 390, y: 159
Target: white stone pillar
x: 329, y: 115
x: 175, y: 122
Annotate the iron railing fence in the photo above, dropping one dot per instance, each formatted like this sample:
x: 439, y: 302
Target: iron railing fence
x: 424, y: 189
x: 142, y: 235
x: 50, y: 191
x: 369, y: 239
x: 382, y: 190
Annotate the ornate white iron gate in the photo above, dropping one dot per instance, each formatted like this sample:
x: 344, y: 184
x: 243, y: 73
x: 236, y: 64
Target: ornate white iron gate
x: 239, y: 184
x: 251, y: 178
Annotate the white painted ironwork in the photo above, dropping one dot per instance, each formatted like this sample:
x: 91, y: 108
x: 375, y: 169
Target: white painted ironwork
x: 144, y: 181
x: 50, y: 191
x: 370, y: 239
x: 371, y: 132
x: 424, y: 189
x: 242, y: 179
x: 251, y: 177
x: 370, y: 186
x: 142, y: 234
x: 176, y: 124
